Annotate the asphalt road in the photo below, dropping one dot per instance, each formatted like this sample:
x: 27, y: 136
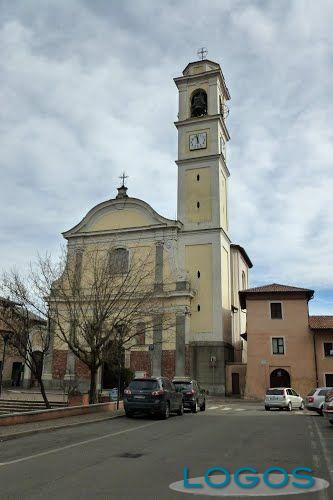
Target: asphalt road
x: 139, y: 458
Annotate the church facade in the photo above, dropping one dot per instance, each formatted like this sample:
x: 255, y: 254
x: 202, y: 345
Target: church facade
x: 197, y: 271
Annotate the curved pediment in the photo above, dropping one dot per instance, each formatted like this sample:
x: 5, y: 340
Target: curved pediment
x: 120, y: 215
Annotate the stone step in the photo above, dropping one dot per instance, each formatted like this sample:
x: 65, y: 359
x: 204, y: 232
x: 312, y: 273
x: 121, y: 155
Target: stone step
x: 16, y: 406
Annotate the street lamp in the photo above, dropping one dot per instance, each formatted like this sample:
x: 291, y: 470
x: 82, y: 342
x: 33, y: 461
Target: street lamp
x: 5, y: 338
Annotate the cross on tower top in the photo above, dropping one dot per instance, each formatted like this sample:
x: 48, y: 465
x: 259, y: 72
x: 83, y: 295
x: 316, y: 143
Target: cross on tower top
x: 123, y: 177
x: 202, y: 53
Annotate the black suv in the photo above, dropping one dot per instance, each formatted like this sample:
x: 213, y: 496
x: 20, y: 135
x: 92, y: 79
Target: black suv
x: 193, y: 396
x: 155, y: 395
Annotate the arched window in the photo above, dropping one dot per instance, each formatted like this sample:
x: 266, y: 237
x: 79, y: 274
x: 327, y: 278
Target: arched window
x: 118, y: 261
x: 199, y: 103
x: 243, y: 281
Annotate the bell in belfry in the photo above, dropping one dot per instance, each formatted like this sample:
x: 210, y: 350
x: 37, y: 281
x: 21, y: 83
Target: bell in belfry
x: 199, y: 103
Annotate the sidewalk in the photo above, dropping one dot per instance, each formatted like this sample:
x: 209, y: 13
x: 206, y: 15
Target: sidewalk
x: 21, y: 430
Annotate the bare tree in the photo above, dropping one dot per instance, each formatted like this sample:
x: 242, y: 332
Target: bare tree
x: 98, y: 300
x: 27, y: 333
x: 95, y: 298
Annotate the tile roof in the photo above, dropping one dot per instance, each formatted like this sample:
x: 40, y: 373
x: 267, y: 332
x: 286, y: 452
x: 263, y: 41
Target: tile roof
x: 321, y: 322
x: 273, y: 288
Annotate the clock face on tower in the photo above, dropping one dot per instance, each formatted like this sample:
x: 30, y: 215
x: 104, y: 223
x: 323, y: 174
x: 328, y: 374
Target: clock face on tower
x: 198, y: 141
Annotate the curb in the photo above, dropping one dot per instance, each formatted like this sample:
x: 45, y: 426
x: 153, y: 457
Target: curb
x: 16, y: 435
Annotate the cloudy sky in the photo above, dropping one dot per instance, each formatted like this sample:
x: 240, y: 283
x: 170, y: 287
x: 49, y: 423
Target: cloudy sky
x: 87, y: 91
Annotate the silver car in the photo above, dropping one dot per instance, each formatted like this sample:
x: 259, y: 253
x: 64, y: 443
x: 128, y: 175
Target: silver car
x: 283, y: 398
x: 328, y: 407
x: 316, y: 398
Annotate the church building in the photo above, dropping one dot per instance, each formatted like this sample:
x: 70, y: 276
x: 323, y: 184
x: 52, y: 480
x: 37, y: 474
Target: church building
x: 198, y: 270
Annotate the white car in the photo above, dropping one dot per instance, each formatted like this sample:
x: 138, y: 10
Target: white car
x: 283, y: 398
x: 316, y: 398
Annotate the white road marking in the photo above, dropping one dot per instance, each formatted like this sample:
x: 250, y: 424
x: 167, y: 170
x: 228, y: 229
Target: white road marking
x: 226, y: 408
x: 240, y: 409
x: 213, y: 407
x: 74, y: 445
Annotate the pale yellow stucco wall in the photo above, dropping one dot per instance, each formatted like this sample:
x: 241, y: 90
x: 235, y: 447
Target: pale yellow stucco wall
x: 298, y: 359
x: 224, y: 205
x: 198, y: 191
x: 199, y: 258
x: 119, y: 219
x: 225, y: 279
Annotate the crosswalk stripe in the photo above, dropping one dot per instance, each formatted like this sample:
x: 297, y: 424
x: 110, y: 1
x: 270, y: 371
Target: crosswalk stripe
x: 226, y: 409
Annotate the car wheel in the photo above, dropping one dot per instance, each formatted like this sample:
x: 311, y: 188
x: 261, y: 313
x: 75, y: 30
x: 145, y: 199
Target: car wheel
x: 203, y: 406
x: 289, y: 407
x: 301, y: 406
x: 166, y: 412
x: 129, y: 414
x: 267, y: 408
x: 195, y: 407
x: 331, y: 422
x: 321, y: 410
x: 180, y: 411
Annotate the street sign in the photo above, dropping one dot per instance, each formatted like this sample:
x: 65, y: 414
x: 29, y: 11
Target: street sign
x: 151, y: 347
x: 212, y: 361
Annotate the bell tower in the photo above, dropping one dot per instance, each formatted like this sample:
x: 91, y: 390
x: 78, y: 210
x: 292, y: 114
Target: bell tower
x: 202, y: 138
x: 204, y: 244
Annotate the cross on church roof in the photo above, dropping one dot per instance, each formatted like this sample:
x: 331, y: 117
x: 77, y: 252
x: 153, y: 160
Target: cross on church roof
x: 202, y: 52
x: 123, y: 177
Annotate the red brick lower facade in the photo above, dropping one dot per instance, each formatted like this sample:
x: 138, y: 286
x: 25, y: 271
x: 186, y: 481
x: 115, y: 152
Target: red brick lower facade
x: 59, y: 364
x: 168, y: 364
x: 140, y: 361
x: 81, y: 370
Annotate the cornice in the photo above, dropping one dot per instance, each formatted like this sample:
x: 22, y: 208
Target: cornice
x: 204, y: 119
x: 206, y: 74
x: 204, y: 159
x: 121, y: 204
x: 207, y: 230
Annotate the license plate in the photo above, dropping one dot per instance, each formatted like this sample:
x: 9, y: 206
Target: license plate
x: 139, y: 397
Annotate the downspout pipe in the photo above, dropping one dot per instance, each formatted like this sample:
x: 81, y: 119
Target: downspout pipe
x: 315, y: 356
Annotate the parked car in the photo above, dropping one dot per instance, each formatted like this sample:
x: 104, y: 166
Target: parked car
x: 328, y: 406
x: 316, y: 398
x: 155, y: 395
x: 194, y: 397
x: 283, y: 398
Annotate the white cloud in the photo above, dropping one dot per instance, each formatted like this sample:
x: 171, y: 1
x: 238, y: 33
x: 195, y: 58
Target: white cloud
x: 87, y: 92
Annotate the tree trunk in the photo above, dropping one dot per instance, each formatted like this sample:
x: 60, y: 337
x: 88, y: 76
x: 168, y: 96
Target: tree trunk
x: 43, y: 393
x: 92, y: 388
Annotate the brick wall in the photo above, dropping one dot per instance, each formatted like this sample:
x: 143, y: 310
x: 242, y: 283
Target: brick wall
x: 59, y: 364
x: 168, y: 364
x: 140, y: 361
x: 81, y: 370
